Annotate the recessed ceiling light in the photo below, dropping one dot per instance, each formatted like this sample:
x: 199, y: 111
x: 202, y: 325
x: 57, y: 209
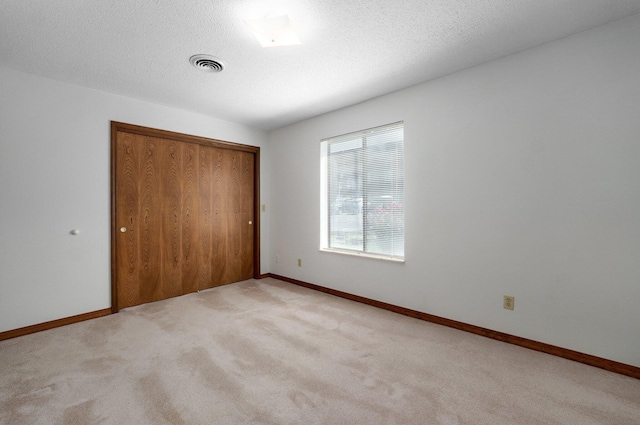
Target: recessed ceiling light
x: 273, y: 32
x: 207, y: 63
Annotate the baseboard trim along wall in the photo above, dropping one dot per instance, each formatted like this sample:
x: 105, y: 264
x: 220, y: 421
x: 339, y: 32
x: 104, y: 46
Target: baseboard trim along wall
x: 53, y: 324
x: 610, y: 365
x: 588, y: 359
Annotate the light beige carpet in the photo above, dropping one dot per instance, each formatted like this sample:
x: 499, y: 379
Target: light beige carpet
x: 268, y: 352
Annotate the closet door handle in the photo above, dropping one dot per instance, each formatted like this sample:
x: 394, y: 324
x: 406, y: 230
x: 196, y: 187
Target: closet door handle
x: 123, y: 229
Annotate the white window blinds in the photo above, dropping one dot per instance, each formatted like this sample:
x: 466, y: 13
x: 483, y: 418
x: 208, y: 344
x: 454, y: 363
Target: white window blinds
x: 363, y: 192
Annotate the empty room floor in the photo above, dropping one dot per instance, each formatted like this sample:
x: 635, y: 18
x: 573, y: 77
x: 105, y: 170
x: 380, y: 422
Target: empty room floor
x: 269, y: 352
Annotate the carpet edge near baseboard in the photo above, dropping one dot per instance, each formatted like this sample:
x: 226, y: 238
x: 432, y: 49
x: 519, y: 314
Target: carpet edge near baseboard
x: 588, y: 359
x: 14, y: 333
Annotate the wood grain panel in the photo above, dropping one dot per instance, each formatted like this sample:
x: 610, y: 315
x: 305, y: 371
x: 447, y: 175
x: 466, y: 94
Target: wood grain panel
x: 190, y: 222
x: 234, y: 228
x: 128, y: 212
x: 186, y: 202
x: 205, y: 218
x: 219, y: 223
x: 247, y: 213
x: 149, y: 207
x: 171, y: 199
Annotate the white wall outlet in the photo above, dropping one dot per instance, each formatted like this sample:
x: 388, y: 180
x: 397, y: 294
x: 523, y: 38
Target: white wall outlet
x: 299, y: 262
x: 509, y: 302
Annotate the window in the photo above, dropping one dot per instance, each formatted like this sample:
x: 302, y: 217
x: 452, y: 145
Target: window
x: 362, y: 187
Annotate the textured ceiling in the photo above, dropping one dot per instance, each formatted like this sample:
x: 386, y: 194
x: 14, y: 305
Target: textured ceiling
x: 351, y: 50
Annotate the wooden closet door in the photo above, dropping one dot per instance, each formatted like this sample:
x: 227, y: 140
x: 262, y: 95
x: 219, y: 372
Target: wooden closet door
x: 184, y: 217
x: 232, y: 215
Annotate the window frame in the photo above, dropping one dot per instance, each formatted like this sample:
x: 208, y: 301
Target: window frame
x: 359, y: 162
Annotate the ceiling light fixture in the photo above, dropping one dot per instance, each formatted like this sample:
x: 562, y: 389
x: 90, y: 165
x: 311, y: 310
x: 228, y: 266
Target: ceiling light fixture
x: 274, y: 31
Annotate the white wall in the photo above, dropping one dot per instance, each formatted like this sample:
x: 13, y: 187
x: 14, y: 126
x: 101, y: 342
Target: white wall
x: 522, y: 178
x: 54, y: 177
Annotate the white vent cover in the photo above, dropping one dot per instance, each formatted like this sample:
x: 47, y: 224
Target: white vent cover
x: 207, y: 63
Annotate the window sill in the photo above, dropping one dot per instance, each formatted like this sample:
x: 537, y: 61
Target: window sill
x: 363, y: 255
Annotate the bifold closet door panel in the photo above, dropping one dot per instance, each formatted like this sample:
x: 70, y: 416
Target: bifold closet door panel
x: 232, y: 206
x: 185, y: 213
x: 139, y: 219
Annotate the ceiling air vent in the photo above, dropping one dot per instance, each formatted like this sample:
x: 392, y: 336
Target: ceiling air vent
x: 207, y: 63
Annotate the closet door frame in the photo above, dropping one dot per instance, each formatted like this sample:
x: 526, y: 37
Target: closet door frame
x: 179, y: 137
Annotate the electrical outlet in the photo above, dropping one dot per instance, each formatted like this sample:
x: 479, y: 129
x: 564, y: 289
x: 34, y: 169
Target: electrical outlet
x: 277, y: 258
x: 509, y: 302
x: 299, y: 262
x: 263, y: 207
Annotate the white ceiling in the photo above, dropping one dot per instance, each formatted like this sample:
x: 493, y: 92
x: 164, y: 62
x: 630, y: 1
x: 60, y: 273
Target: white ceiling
x: 352, y: 50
